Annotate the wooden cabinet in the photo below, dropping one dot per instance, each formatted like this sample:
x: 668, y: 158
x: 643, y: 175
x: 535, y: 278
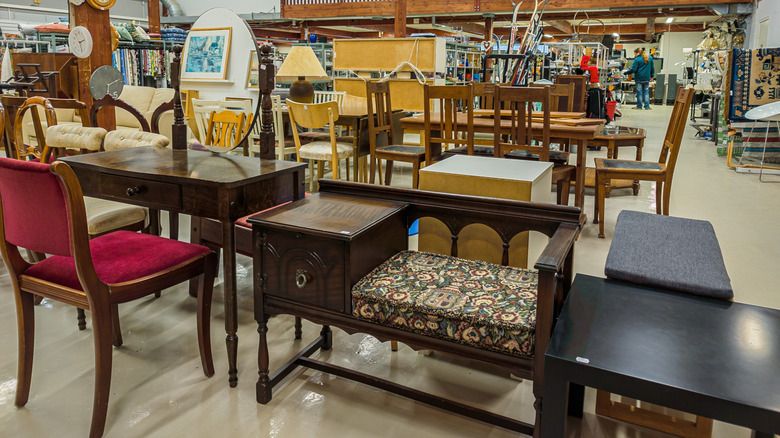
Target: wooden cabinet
x: 314, y: 251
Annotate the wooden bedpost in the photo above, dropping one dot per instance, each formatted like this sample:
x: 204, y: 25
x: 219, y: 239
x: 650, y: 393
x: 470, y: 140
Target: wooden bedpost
x: 179, y: 128
x: 267, y: 74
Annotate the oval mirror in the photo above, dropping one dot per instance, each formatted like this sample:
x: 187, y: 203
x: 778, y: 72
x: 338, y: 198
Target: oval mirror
x: 220, y: 61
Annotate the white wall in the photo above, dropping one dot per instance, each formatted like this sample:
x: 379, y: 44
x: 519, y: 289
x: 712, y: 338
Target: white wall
x: 197, y: 7
x: 242, y: 42
x: 671, y: 48
x: 766, y: 9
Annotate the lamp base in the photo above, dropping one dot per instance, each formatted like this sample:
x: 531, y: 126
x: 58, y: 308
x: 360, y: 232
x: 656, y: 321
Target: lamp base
x: 302, y: 91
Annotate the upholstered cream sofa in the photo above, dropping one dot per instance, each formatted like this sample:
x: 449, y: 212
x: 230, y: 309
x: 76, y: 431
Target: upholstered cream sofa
x: 144, y: 99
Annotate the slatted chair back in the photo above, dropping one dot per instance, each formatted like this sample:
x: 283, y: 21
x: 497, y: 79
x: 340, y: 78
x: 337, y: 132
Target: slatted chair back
x: 561, y: 96
x: 201, y: 111
x: 485, y: 94
x: 448, y: 113
x: 520, y: 101
x: 225, y: 129
x: 674, y: 132
x: 380, y: 112
x: 282, y: 150
x: 330, y: 96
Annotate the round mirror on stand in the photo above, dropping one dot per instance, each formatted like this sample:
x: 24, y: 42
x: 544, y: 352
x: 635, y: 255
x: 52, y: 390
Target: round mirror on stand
x: 220, y: 61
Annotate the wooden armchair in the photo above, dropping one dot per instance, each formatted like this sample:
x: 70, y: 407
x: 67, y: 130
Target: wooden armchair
x: 380, y: 123
x: 225, y: 128
x: 95, y: 275
x: 661, y: 172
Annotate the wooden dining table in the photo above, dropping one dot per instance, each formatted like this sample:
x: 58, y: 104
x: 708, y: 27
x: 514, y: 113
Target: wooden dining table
x: 553, y: 114
x: 580, y: 133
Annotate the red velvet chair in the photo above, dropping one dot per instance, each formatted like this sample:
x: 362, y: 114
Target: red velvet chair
x: 92, y: 274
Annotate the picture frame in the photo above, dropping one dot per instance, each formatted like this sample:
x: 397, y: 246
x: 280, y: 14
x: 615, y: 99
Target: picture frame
x: 206, y: 53
x: 253, y: 72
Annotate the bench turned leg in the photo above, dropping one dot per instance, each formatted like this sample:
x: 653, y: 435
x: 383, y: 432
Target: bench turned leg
x: 327, y: 337
x: 263, y: 387
x: 298, y: 328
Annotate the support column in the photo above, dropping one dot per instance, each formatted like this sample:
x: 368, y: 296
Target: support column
x: 488, y: 37
x: 99, y: 25
x: 399, y: 27
x: 154, y: 15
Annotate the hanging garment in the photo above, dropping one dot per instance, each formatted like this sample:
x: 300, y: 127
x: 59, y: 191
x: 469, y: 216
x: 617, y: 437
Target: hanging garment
x: 7, y: 68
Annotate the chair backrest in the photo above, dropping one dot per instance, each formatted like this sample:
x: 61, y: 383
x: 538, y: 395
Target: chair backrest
x: 561, y: 96
x: 278, y: 113
x: 380, y: 113
x: 674, y: 132
x: 41, y: 151
x: 201, y: 110
x: 330, y: 96
x: 225, y: 129
x: 37, y: 223
x: 521, y: 102
x: 485, y: 94
x: 449, y: 122
x: 110, y: 101
x: 313, y: 116
x: 580, y: 89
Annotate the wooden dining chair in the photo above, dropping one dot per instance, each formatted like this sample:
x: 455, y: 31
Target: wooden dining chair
x: 225, y: 128
x: 94, y: 274
x: 661, y: 171
x: 201, y: 111
x: 380, y: 131
x: 521, y: 143
x: 448, y: 114
x: 561, y: 99
x: 314, y: 116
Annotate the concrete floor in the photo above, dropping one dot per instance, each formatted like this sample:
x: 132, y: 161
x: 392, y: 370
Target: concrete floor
x: 159, y: 389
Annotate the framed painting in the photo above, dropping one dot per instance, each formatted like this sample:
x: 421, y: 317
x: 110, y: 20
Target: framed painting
x: 253, y: 72
x: 206, y: 53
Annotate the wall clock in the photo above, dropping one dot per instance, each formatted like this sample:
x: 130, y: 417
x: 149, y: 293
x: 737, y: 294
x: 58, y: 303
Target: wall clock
x: 106, y: 79
x: 80, y: 41
x: 101, y: 4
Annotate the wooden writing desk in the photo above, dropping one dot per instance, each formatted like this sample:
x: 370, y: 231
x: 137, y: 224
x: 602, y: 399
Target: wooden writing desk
x: 582, y: 134
x: 704, y: 356
x: 222, y: 187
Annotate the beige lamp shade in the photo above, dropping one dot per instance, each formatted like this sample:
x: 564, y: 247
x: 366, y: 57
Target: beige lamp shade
x: 301, y: 62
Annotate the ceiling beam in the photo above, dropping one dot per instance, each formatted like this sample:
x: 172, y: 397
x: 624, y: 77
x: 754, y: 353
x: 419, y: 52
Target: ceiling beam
x: 563, y: 26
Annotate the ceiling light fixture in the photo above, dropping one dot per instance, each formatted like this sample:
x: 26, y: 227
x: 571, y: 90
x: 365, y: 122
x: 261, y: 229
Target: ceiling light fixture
x: 669, y: 20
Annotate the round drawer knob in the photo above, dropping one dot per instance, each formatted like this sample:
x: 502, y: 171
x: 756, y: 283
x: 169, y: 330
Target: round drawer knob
x: 301, y: 277
x: 132, y: 191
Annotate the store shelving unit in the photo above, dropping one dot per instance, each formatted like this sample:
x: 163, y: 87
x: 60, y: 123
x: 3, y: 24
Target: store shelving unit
x: 464, y: 62
x: 572, y: 52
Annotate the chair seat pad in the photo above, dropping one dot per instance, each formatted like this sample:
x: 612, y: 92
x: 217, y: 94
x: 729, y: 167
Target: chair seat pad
x: 628, y: 164
x: 322, y: 150
x: 478, y: 150
x: 475, y: 303
x: 669, y: 252
x: 403, y: 149
x: 104, y: 216
x: 75, y: 137
x: 119, y: 257
x: 323, y: 136
x: 130, y: 138
x: 555, y: 156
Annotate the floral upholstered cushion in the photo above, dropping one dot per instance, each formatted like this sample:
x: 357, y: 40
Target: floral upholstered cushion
x: 476, y: 303
x: 323, y: 150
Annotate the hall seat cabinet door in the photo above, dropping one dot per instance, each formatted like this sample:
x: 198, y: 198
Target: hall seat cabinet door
x: 313, y: 251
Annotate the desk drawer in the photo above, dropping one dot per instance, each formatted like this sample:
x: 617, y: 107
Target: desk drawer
x: 165, y: 196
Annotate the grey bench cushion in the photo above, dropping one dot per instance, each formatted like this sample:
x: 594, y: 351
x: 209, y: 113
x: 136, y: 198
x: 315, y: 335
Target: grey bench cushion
x: 671, y: 252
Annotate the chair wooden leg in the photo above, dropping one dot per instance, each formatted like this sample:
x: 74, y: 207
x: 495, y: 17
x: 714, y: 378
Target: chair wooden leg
x: 102, y: 328
x: 563, y: 191
x: 596, y: 200
x: 116, y: 330
x: 205, y: 291
x: 298, y: 328
x: 659, y: 199
x: 667, y: 195
x: 601, y: 184
x: 25, y: 321
x: 311, y: 176
x: 416, y: 174
x: 389, y: 173
x: 372, y: 178
x: 81, y: 317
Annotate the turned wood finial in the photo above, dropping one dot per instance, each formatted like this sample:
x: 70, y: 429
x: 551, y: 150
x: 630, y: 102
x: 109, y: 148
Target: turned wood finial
x: 267, y: 73
x: 179, y: 128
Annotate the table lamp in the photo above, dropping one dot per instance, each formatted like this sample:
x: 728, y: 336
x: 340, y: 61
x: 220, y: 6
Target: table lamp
x: 301, y: 66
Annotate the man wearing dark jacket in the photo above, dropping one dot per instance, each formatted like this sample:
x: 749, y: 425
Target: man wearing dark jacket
x: 644, y: 72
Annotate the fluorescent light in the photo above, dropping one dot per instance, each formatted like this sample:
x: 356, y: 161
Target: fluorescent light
x: 669, y: 20
x: 547, y: 35
x: 615, y: 34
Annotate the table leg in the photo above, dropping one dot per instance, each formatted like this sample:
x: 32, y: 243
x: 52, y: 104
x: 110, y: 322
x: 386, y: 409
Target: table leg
x: 579, y: 195
x: 576, y: 399
x: 638, y: 158
x: 231, y: 305
x: 553, y: 404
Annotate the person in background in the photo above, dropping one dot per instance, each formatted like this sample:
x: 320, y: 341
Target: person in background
x: 643, y: 72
